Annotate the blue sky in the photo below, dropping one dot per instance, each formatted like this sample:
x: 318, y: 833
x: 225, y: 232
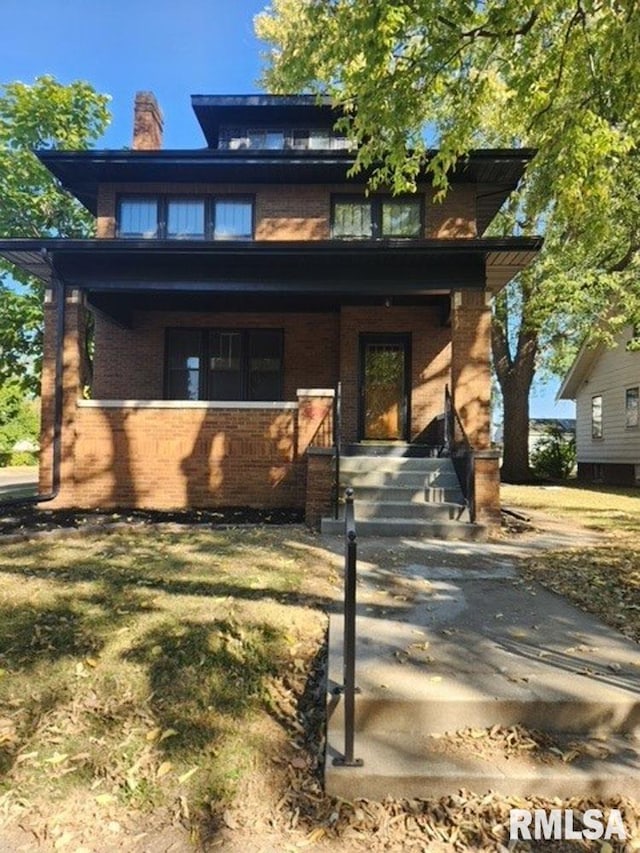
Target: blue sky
x: 175, y: 49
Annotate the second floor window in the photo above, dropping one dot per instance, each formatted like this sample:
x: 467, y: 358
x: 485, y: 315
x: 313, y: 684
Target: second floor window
x: 377, y: 217
x: 186, y: 218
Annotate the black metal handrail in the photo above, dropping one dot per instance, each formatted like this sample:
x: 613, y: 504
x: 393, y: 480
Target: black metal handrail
x: 349, y: 688
x: 337, y: 441
x: 461, y: 453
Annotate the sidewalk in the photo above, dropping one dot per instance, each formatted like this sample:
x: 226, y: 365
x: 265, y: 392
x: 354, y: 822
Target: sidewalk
x: 450, y: 638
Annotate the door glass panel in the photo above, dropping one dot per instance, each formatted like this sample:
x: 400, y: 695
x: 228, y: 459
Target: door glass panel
x: 384, y: 404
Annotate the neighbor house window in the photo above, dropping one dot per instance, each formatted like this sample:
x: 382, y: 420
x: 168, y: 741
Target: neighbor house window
x: 224, y: 364
x: 378, y: 217
x: 186, y: 218
x: 596, y: 416
x: 632, y: 411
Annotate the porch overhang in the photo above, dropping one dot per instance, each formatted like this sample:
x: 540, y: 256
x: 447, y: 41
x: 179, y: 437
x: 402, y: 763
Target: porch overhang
x: 190, y: 274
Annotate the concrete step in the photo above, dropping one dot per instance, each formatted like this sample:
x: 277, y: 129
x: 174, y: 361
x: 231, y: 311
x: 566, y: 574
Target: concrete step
x: 410, y: 527
x: 409, y: 765
x: 406, y: 494
x: 416, y: 479
x: 392, y: 449
x: 360, y: 464
x: 385, y: 509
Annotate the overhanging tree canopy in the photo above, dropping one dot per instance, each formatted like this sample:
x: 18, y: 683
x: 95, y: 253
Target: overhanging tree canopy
x: 558, y: 76
x: 45, y: 114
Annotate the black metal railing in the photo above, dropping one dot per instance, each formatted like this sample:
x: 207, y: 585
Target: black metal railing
x: 337, y: 441
x: 459, y: 448
x: 349, y: 688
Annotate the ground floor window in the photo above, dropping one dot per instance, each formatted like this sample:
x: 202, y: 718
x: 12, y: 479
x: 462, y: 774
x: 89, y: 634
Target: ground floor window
x: 596, y: 416
x: 632, y: 412
x: 223, y: 364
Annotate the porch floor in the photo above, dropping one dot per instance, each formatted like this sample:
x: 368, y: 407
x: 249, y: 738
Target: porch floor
x: 455, y: 652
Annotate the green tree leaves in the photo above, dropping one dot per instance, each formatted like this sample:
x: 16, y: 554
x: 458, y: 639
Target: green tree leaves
x: 45, y: 114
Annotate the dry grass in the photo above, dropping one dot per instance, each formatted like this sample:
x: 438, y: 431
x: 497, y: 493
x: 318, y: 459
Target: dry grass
x: 610, y: 509
x: 137, y: 675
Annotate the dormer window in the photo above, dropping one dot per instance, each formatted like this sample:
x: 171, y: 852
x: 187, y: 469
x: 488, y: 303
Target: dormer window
x: 282, y: 139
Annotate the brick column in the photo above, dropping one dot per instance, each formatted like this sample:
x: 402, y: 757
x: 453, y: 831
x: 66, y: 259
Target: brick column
x: 47, y: 390
x: 471, y: 364
x: 73, y: 378
x: 315, y: 442
x: 320, y: 482
x: 315, y: 418
x: 487, y: 486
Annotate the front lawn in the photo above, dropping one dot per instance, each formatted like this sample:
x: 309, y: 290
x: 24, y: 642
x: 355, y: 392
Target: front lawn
x: 608, y: 508
x: 143, y: 677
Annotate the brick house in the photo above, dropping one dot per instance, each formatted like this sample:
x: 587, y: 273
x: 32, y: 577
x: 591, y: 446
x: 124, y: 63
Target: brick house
x: 234, y: 287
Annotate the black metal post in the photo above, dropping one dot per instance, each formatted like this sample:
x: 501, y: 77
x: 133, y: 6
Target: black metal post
x: 349, y: 651
x: 337, y: 440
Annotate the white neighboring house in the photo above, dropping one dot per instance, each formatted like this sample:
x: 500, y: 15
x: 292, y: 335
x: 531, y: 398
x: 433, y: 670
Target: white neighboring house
x: 605, y: 383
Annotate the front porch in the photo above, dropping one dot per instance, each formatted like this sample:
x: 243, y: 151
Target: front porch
x: 177, y: 420
x: 131, y: 447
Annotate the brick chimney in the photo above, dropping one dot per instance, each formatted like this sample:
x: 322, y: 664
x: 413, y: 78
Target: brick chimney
x: 147, y: 123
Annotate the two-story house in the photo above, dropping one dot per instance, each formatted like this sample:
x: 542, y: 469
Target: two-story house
x: 235, y: 287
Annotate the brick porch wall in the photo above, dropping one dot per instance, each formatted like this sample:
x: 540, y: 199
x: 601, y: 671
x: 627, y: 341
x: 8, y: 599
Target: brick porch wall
x: 188, y: 457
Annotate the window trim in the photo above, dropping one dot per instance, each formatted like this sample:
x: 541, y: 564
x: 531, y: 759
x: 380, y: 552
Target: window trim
x: 209, y: 200
x: 627, y: 409
x: 204, y: 333
x: 594, y: 436
x: 376, y: 203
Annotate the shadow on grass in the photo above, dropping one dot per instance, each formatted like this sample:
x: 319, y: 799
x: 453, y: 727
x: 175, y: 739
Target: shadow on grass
x: 207, y: 680
x: 138, y: 576
x: 30, y: 635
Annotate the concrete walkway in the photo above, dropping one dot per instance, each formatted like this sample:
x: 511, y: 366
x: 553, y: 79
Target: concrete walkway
x: 450, y: 638
x: 16, y: 482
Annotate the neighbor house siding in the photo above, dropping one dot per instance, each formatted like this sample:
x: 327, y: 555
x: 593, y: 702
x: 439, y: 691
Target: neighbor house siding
x: 613, y: 372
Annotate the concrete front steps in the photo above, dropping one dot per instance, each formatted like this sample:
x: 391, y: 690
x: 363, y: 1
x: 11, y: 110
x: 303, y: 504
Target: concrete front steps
x: 398, y: 493
x: 439, y: 653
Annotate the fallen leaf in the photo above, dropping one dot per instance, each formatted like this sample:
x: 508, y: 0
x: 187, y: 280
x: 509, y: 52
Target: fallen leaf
x: 187, y: 775
x: 164, y: 768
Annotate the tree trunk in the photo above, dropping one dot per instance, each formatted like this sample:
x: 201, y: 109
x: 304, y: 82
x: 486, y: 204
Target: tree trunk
x: 515, y: 401
x: 515, y: 375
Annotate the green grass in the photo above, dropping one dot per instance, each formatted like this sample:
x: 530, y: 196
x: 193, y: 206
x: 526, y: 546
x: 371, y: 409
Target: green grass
x: 606, y: 508
x: 136, y: 667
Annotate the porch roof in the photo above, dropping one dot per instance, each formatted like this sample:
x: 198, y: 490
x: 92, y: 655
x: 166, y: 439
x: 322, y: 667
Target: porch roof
x: 325, y: 266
